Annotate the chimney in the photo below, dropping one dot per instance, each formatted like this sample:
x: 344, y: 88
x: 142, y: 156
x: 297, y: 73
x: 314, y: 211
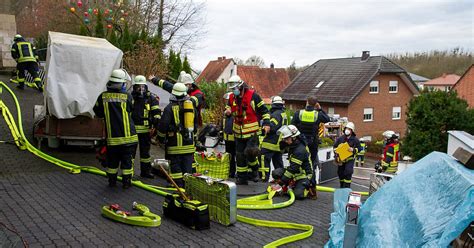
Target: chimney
x: 272, y: 66
x: 365, y: 55
x: 223, y: 57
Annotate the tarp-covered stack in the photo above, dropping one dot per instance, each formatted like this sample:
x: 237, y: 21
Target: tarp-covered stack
x: 78, y: 68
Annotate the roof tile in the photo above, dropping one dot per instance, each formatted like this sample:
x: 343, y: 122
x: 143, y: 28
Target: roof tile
x: 213, y: 70
x: 267, y: 82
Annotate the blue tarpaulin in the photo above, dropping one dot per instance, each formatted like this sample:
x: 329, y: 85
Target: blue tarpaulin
x: 428, y: 205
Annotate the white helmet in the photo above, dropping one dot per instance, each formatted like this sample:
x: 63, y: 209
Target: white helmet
x: 389, y: 134
x: 185, y: 78
x: 179, y: 89
x: 351, y: 126
x: 277, y: 100
x: 288, y: 131
x: 119, y: 76
x: 234, y: 82
x: 139, y: 80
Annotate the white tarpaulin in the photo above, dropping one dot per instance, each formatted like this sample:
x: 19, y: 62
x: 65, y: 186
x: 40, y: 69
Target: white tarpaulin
x: 78, y: 68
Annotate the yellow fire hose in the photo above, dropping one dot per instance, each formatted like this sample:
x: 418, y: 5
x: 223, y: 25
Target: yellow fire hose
x: 246, y: 203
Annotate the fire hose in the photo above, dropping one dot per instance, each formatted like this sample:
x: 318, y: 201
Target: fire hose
x: 23, y: 144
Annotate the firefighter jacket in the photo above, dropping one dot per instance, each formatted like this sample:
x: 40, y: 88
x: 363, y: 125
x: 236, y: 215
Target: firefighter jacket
x: 227, y: 130
x: 246, y: 111
x: 23, y: 51
x: 300, y: 161
x: 390, y: 157
x: 307, y: 121
x: 363, y: 147
x: 278, y: 117
x: 171, y: 130
x: 116, y: 108
x: 146, y: 112
x: 353, y: 142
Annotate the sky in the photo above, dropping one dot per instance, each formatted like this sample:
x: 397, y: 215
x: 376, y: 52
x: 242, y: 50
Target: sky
x: 304, y: 31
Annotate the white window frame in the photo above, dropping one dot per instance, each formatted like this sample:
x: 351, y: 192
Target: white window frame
x: 368, y: 111
x: 331, y: 111
x: 374, y: 84
x: 390, y: 85
x: 320, y: 84
x: 394, y: 111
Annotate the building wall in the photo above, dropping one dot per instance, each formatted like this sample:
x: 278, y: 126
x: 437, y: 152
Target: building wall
x: 7, y: 33
x: 229, y: 71
x: 465, y: 87
x: 6, y: 7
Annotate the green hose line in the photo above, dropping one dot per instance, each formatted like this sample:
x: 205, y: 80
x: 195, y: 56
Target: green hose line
x: 308, y: 229
x: 258, y: 202
x: 331, y: 190
x: 241, y: 205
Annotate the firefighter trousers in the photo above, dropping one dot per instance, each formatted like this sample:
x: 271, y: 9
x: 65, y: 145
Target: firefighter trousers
x: 360, y: 161
x: 144, y: 143
x: 271, y: 157
x: 301, y: 189
x: 180, y: 164
x: 344, y: 172
x: 32, y: 68
x: 230, y: 148
x: 120, y: 155
x: 246, y: 159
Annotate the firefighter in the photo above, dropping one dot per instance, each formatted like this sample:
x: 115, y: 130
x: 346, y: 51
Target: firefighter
x: 24, y: 54
x: 228, y: 135
x: 271, y: 142
x: 346, y: 167
x: 245, y: 105
x: 307, y: 121
x: 115, y: 106
x: 146, y: 114
x: 300, y: 170
x: 176, y: 130
x: 390, y: 152
x: 196, y: 95
x: 360, y: 161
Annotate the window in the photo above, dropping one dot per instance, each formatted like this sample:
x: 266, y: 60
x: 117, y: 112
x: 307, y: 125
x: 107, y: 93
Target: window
x: 448, y: 88
x: 368, y: 114
x: 374, y: 87
x: 231, y: 72
x: 396, y: 113
x: 319, y: 84
x: 330, y: 111
x: 393, y: 87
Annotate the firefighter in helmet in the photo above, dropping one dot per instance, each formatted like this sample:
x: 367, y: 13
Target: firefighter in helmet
x: 228, y: 135
x: 271, y: 142
x: 245, y: 105
x: 346, y: 166
x: 24, y: 54
x: 390, y: 152
x: 176, y: 130
x: 146, y: 114
x: 301, y: 169
x: 116, y: 106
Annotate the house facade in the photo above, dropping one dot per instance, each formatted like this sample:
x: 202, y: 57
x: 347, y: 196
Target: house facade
x: 444, y: 83
x: 465, y: 86
x: 219, y: 70
x: 371, y: 91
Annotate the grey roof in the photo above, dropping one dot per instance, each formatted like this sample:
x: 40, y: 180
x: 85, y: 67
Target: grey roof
x: 344, y: 79
x: 418, y: 78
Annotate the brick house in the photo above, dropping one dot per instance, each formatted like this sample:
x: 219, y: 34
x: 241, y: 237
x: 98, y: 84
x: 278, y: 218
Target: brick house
x: 219, y: 70
x: 465, y: 86
x: 444, y: 83
x: 372, y: 91
x: 267, y: 82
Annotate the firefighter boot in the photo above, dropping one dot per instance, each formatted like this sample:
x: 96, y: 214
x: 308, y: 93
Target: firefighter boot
x: 112, y: 179
x: 253, y: 175
x: 241, y: 180
x: 126, y: 181
x: 341, y: 184
x: 347, y: 185
x: 145, y: 171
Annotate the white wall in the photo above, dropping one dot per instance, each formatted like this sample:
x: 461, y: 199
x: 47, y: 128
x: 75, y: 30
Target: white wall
x: 229, y: 71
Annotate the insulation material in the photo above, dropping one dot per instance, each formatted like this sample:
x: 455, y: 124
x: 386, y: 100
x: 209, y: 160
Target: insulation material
x: 429, y: 205
x: 78, y: 68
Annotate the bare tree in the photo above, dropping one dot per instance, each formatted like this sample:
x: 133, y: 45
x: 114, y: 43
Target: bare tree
x: 238, y: 61
x: 255, y: 60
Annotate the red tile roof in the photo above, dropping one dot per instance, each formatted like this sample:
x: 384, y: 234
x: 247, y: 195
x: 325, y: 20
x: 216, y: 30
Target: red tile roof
x: 267, y: 82
x: 213, y: 70
x: 444, y: 80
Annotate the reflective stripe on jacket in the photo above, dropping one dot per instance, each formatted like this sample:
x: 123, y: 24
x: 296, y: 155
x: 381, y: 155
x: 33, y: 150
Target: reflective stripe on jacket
x: 146, y: 113
x: 25, y: 52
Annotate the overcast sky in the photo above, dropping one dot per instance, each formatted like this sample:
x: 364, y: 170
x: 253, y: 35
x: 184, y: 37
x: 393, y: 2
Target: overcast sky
x: 283, y: 31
